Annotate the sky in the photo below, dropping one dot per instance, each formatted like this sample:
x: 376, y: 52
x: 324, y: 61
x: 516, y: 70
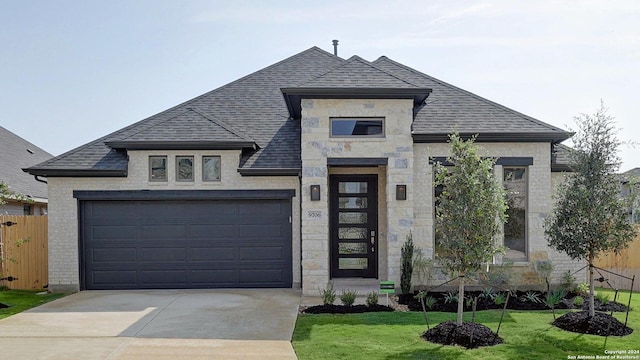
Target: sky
x: 73, y: 71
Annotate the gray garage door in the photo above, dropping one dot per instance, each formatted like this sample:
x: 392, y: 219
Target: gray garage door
x: 173, y: 244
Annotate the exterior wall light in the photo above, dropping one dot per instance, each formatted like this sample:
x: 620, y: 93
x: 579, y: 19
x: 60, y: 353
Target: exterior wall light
x: 401, y: 192
x: 315, y: 192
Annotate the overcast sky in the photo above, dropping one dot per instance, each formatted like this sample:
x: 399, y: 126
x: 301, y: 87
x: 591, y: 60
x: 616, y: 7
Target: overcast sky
x: 73, y: 71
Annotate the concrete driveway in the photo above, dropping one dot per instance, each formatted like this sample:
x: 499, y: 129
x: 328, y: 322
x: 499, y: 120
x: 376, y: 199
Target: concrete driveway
x: 156, y: 324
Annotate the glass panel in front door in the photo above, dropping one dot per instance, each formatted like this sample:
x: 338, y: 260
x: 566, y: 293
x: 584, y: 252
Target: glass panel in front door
x: 354, y: 225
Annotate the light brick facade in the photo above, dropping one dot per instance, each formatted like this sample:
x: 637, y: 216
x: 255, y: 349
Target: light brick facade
x: 408, y: 164
x: 396, y: 219
x: 63, y: 208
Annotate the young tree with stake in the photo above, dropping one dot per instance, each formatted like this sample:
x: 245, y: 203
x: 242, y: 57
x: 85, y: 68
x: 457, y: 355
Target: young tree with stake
x: 590, y: 217
x: 470, y: 213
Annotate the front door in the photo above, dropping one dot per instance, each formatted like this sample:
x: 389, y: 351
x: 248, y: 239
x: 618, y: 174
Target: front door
x: 354, y: 225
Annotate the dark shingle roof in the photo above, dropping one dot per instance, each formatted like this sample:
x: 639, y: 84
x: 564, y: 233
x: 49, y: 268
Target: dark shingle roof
x: 252, y: 110
x: 190, y: 128
x: 17, y: 153
x: 449, y: 108
x: 252, y: 104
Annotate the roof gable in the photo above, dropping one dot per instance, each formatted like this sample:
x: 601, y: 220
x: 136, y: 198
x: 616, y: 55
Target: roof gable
x: 357, y: 73
x: 189, y: 129
x: 355, y: 79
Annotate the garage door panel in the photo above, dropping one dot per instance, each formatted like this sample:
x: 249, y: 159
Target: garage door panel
x: 184, y: 244
x: 107, y: 255
x: 106, y: 278
x: 214, y: 277
x: 213, y: 254
x: 261, y: 253
x: 261, y: 231
x: 109, y: 210
x: 214, y: 231
x: 164, y: 277
x: 160, y: 210
x: 113, y: 232
x: 162, y: 254
x: 162, y: 231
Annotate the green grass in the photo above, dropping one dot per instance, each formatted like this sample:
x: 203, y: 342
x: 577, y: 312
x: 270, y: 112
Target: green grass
x: 526, y: 334
x: 21, y: 300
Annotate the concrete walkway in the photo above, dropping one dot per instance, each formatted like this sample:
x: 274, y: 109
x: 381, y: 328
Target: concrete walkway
x: 156, y: 324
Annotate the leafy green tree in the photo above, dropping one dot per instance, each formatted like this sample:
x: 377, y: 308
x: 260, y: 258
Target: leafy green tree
x: 5, y: 193
x: 470, y: 213
x: 590, y: 217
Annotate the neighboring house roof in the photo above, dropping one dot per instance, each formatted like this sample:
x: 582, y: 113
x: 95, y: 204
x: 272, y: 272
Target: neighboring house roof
x: 17, y: 153
x: 560, y: 158
x: 635, y: 172
x: 260, y: 114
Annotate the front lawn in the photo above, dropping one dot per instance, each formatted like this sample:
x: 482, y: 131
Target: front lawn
x: 526, y: 334
x: 21, y: 300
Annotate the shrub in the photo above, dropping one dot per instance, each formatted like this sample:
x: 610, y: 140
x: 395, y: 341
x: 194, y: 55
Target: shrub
x: 578, y: 301
x: 499, y: 298
x: 372, y: 298
x: 582, y: 289
x: 568, y: 280
x: 603, y: 298
x: 429, y: 301
x: 406, y: 260
x: 348, y: 297
x: 328, y: 295
x: 487, y: 293
x: 451, y: 297
x: 531, y: 297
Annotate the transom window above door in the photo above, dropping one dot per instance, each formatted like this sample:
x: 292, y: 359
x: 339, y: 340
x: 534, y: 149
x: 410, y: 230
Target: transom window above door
x: 357, y: 127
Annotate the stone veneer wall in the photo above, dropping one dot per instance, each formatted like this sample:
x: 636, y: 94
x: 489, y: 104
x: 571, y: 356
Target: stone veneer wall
x: 63, y: 217
x: 317, y: 146
x: 541, y: 184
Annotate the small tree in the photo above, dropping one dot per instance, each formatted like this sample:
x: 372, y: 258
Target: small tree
x: 590, y: 216
x: 471, y: 212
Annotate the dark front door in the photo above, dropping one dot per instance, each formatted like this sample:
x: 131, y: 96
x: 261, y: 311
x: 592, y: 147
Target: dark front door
x: 354, y: 225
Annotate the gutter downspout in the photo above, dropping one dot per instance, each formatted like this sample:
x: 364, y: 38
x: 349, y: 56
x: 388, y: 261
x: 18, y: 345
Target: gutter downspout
x: 40, y: 180
x: 300, y: 224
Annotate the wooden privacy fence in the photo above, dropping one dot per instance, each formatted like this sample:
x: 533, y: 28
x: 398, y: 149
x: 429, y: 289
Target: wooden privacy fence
x: 627, y: 263
x: 24, y: 251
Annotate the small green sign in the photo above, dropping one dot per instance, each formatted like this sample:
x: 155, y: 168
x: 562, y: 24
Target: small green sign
x: 387, y: 287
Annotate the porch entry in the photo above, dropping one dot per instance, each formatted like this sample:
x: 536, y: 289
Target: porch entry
x: 354, y: 225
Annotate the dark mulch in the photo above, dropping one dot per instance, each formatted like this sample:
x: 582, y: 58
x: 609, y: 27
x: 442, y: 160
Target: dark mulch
x: 469, y: 335
x: 341, y: 309
x: 516, y: 302
x: 3, y: 306
x: 601, y: 324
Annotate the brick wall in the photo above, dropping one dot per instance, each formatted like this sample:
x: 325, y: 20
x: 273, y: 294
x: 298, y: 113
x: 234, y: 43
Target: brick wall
x: 63, y: 217
x: 541, y: 184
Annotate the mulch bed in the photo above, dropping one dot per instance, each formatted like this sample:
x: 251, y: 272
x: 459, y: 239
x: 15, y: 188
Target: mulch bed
x: 469, y: 335
x: 341, y: 309
x: 515, y: 303
x: 601, y: 324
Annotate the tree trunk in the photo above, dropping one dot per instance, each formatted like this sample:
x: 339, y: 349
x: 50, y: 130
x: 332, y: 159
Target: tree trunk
x: 460, y: 299
x: 591, y: 289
